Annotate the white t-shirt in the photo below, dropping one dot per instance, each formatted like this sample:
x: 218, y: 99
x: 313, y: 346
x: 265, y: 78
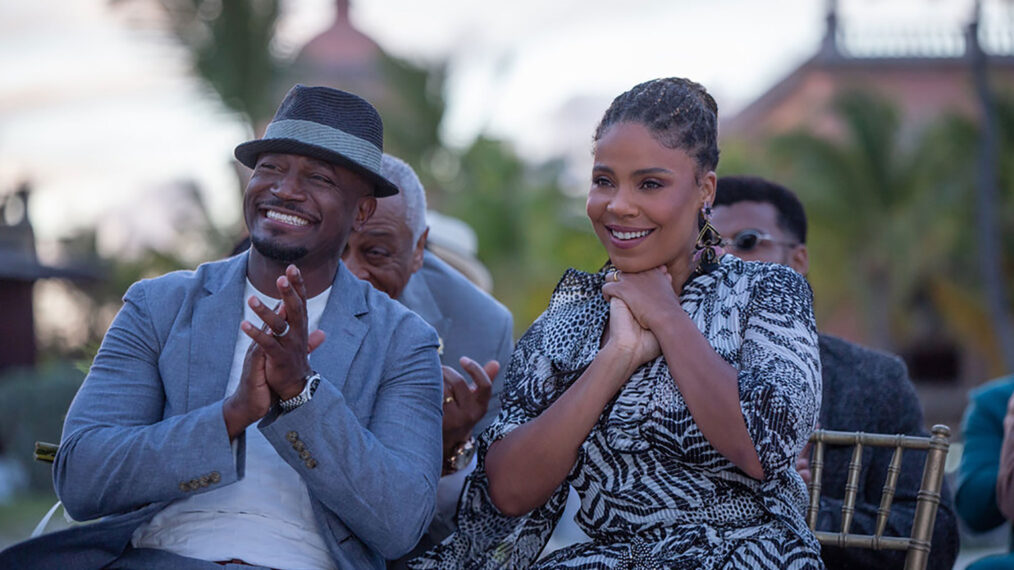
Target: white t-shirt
x: 265, y: 518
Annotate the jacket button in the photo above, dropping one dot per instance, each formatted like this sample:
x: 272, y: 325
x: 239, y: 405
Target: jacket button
x: 292, y: 436
x: 195, y: 484
x: 184, y: 487
x: 299, y: 446
x: 214, y: 477
x: 305, y: 454
x: 311, y: 463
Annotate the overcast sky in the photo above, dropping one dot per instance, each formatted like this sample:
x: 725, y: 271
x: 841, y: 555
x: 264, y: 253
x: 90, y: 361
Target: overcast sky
x: 101, y: 117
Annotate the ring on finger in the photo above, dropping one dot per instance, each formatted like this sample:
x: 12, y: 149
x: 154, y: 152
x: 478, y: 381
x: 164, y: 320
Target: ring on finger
x: 613, y: 275
x: 448, y: 399
x: 284, y: 332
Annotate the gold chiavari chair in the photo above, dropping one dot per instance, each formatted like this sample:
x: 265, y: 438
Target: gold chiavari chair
x: 927, y: 500
x: 45, y: 452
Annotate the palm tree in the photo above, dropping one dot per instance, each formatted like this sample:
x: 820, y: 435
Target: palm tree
x: 964, y: 297
x: 870, y: 199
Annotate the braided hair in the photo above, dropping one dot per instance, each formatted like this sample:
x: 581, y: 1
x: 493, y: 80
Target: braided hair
x: 679, y: 113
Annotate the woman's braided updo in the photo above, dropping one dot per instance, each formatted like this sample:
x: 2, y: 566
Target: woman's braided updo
x: 678, y: 112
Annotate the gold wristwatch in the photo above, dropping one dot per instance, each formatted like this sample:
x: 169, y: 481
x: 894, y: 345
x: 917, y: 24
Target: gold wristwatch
x: 461, y: 456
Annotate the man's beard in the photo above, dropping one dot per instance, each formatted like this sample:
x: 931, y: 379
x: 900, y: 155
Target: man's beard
x: 275, y: 252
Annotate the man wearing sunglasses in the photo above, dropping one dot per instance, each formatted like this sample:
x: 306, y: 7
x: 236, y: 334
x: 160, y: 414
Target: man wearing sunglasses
x: 863, y: 390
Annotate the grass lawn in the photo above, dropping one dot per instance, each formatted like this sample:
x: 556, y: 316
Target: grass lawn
x: 19, y: 516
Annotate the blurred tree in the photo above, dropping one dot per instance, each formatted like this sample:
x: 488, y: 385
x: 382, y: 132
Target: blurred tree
x: 529, y: 231
x: 412, y: 112
x: 958, y: 289
x: 229, y: 44
x: 870, y: 195
x: 893, y: 225
x: 197, y: 239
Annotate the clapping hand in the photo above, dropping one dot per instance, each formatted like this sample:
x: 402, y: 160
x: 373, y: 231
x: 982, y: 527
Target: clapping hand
x: 287, y: 345
x: 276, y: 362
x: 464, y: 404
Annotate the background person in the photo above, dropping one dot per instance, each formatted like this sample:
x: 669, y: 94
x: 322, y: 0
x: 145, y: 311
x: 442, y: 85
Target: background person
x: 197, y: 450
x: 389, y: 251
x: 863, y: 390
x: 985, y: 496
x: 683, y: 465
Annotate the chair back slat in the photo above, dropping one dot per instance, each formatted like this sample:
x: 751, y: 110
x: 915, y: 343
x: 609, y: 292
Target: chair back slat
x: 816, y: 473
x: 848, y: 507
x: 45, y: 452
x: 927, y: 499
x: 890, y: 486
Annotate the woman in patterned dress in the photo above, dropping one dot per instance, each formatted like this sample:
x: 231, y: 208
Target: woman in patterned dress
x: 672, y: 395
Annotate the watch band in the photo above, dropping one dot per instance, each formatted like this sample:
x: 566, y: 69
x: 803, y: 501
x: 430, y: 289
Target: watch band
x: 312, y: 380
x: 460, y: 457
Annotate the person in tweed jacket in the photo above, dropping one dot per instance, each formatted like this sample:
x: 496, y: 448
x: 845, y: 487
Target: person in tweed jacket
x: 863, y: 389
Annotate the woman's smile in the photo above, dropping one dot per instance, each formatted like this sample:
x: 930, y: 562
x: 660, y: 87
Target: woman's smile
x: 625, y: 238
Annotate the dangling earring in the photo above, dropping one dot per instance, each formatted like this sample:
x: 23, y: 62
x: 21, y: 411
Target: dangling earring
x: 708, y: 247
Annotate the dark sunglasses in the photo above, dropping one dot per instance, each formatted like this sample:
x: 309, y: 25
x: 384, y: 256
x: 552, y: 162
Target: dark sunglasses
x: 748, y: 240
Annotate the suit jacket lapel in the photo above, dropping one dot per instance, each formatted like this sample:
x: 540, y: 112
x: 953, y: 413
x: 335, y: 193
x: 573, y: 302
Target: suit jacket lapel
x: 215, y: 321
x: 345, y: 330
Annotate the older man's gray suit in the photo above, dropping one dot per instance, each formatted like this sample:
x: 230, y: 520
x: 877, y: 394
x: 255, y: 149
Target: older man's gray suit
x: 470, y: 323
x: 146, y: 428
x: 869, y: 391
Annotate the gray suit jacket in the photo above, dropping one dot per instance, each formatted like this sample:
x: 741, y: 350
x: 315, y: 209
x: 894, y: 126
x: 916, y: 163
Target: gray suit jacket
x: 470, y: 323
x: 869, y: 391
x: 146, y: 427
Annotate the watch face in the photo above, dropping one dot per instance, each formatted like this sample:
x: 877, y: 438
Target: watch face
x: 304, y: 396
x: 463, y: 455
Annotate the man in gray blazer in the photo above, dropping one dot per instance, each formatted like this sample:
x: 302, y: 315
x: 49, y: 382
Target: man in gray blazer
x: 221, y: 426
x: 863, y: 390
x: 390, y: 252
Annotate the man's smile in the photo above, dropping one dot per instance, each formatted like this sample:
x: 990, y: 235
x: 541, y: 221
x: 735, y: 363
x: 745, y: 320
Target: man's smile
x: 289, y: 219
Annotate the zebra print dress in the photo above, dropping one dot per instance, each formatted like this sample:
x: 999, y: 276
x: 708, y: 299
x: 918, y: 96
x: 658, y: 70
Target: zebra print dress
x: 654, y: 493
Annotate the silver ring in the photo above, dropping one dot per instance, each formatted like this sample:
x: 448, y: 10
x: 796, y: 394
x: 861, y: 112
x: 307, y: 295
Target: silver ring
x: 283, y: 333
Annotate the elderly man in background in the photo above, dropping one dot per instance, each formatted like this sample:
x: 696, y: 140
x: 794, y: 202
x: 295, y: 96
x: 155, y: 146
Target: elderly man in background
x: 390, y: 252
x: 863, y: 390
x: 206, y: 435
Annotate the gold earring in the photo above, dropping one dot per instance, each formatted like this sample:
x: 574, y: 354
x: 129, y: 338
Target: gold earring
x: 707, y: 249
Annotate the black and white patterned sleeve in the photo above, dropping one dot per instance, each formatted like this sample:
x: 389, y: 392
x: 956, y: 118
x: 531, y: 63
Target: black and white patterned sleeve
x: 779, y: 372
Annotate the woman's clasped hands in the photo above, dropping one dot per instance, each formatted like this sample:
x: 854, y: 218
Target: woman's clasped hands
x: 638, y: 302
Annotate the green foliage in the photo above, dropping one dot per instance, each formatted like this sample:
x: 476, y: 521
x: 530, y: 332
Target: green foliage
x: 229, y: 42
x: 870, y: 200
x: 412, y: 111
x: 892, y: 220
x: 529, y: 231
x: 19, y: 517
x: 99, y: 299
x: 33, y: 404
